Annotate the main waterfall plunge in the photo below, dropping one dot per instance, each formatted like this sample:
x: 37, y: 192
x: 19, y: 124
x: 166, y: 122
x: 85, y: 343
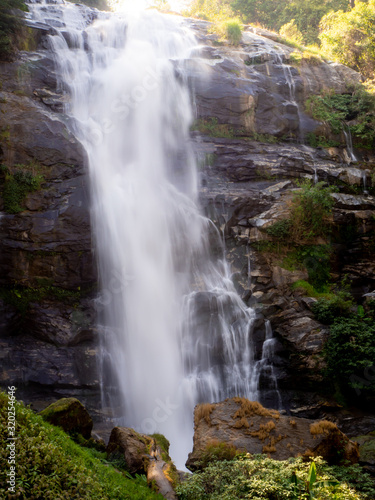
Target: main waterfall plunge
x: 173, y: 329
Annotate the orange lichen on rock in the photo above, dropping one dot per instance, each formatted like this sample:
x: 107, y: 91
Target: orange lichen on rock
x: 203, y: 410
x: 252, y: 408
x: 271, y: 446
x: 264, y: 430
x: 241, y: 424
x: 322, y: 427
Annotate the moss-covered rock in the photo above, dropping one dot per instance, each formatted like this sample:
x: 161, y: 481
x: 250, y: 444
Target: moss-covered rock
x: 70, y: 415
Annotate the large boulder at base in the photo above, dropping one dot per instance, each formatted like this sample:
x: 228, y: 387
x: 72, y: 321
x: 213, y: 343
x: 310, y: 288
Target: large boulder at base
x: 251, y: 428
x: 145, y: 455
x: 70, y: 415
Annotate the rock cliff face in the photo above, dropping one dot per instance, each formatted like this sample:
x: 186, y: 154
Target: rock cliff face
x: 47, y: 270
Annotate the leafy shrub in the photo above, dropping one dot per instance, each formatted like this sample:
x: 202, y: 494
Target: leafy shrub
x: 291, y: 32
x: 217, y: 451
x: 310, y: 211
x: 357, y: 105
x: 280, y: 230
x: 350, y: 354
x: 348, y: 37
x: 326, y: 310
x: 262, y: 478
x: 51, y: 466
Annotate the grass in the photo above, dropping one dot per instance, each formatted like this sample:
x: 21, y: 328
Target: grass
x: 50, y: 466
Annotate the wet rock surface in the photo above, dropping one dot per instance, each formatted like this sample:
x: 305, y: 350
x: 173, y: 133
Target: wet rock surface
x: 47, y: 270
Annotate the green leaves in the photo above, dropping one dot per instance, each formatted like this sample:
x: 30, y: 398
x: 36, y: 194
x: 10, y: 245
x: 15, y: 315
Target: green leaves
x: 349, y: 36
x: 260, y: 478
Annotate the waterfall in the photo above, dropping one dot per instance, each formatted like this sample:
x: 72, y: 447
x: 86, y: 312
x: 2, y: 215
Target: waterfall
x: 173, y: 329
x: 349, y: 143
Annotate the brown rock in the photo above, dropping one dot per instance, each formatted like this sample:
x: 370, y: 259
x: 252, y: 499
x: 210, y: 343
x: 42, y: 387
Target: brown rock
x: 143, y: 455
x: 251, y: 428
x: 70, y: 415
x: 134, y: 447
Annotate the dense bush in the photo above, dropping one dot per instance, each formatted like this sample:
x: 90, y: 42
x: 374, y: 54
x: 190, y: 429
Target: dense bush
x: 50, y: 466
x: 349, y: 37
x: 291, y: 32
x: 350, y: 355
x: 310, y: 211
x: 262, y: 478
x: 356, y: 106
x: 327, y: 310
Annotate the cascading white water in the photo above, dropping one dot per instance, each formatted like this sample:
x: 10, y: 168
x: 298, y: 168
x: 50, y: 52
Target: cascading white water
x: 349, y: 143
x: 173, y: 329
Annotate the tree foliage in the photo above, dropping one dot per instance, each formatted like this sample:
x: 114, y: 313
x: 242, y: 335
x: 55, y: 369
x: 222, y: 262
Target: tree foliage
x: 350, y: 355
x: 349, y: 37
x: 291, y: 32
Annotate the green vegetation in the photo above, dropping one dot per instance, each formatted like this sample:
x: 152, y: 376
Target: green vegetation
x: 350, y: 354
x: 16, y: 185
x: 328, y: 308
x: 229, y: 29
x: 21, y: 297
x: 306, y: 14
x: 349, y: 37
x: 51, y: 466
x: 219, y: 12
x: 97, y: 4
x: 356, y: 106
x: 261, y: 478
x: 310, y: 212
x: 10, y: 26
x: 211, y: 127
x: 291, y: 32
x: 217, y: 451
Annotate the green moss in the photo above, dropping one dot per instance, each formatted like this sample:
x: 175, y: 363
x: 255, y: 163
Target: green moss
x: 162, y: 441
x: 51, y: 466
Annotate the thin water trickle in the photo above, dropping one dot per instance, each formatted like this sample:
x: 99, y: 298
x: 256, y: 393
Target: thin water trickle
x: 173, y: 329
x: 349, y: 143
